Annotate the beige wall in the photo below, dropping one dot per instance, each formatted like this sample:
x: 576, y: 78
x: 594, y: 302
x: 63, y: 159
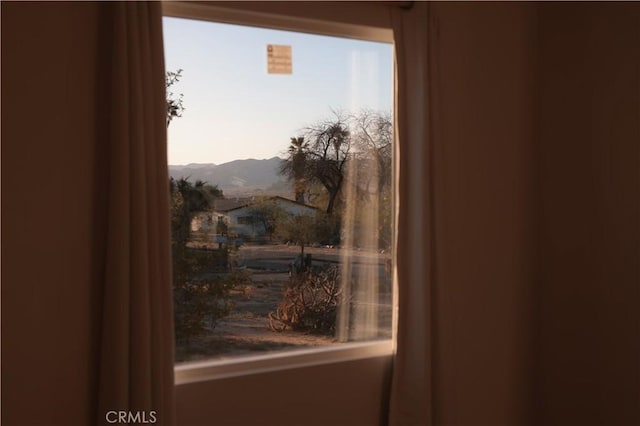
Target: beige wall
x: 541, y: 120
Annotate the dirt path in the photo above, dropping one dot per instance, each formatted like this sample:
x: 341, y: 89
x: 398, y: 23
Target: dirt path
x: 246, y: 330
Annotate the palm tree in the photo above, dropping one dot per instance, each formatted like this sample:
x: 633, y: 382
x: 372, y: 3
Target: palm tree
x: 295, y: 167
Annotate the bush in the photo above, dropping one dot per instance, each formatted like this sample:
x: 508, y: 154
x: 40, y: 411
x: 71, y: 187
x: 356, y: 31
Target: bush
x: 310, y: 302
x: 200, y: 297
x: 198, y: 305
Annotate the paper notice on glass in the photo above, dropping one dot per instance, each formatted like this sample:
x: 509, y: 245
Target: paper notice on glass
x: 278, y: 59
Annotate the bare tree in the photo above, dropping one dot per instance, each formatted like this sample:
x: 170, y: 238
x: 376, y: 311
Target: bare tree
x: 373, y: 137
x: 329, y: 148
x: 320, y: 157
x: 372, y: 161
x: 354, y: 149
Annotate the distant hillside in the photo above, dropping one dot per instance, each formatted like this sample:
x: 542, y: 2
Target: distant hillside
x: 239, y: 177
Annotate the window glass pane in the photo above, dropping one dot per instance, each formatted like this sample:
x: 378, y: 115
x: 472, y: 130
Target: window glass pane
x: 280, y: 149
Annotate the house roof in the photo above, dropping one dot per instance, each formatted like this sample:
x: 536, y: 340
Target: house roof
x: 224, y: 205
x: 277, y: 197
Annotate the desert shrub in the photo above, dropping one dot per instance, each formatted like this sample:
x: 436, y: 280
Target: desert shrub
x: 198, y: 304
x: 239, y: 278
x: 310, y: 302
x: 201, y: 298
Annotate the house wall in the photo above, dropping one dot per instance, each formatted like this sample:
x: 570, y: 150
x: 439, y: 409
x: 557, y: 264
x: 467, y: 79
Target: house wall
x: 258, y: 228
x: 242, y: 229
x: 544, y: 185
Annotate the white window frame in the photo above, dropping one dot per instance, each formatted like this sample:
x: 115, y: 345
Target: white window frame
x: 191, y: 372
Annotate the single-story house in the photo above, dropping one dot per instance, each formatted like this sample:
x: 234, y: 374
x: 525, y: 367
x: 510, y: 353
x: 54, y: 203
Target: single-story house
x: 244, y: 216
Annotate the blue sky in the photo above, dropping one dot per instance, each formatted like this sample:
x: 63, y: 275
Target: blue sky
x: 234, y: 109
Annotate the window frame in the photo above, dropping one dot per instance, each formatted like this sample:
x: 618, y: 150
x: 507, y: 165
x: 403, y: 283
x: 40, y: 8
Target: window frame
x: 198, y: 371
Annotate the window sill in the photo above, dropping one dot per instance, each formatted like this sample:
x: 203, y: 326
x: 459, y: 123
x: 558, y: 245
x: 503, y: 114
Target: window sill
x: 199, y: 371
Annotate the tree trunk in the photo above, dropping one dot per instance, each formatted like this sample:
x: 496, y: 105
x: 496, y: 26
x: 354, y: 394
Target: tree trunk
x: 332, y: 201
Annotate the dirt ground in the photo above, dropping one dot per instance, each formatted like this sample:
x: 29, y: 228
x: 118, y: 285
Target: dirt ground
x: 246, y: 330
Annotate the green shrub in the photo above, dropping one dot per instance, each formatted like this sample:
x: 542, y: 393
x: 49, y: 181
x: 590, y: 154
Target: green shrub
x: 198, y: 305
x: 201, y: 297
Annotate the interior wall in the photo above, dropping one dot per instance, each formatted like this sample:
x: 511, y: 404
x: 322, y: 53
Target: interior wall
x: 588, y: 295
x: 541, y: 124
x: 349, y: 393
x: 49, y: 70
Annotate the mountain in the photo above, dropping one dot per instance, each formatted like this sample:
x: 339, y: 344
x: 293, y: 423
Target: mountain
x: 238, y: 177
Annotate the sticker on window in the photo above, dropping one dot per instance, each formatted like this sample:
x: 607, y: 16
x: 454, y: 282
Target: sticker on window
x: 278, y: 59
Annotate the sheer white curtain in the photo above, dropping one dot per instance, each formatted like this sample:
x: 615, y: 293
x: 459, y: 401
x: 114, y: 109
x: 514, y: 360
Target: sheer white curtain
x: 412, y: 397
x: 136, y: 342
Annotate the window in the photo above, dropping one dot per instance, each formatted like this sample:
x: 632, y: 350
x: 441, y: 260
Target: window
x: 295, y: 164
x: 245, y: 220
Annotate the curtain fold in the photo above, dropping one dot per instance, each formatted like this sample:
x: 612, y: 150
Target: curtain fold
x: 466, y: 121
x: 136, y: 340
x: 412, y: 394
